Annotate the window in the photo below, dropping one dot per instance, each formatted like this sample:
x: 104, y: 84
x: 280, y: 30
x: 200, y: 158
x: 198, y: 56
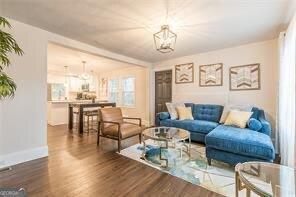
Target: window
x: 113, y: 90
x: 128, y: 92
x: 122, y: 91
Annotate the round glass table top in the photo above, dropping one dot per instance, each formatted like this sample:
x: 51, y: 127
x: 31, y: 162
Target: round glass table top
x: 268, y: 179
x: 166, y: 133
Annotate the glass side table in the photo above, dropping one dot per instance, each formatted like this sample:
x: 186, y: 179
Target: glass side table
x: 168, y: 138
x: 265, y: 179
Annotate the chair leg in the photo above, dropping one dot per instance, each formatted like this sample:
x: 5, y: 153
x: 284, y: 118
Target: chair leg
x: 99, y: 127
x: 140, y: 138
x: 88, y: 124
x: 209, y: 161
x: 119, y: 145
x: 98, y: 140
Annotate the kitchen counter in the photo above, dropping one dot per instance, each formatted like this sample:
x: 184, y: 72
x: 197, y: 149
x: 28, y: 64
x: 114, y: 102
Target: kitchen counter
x: 69, y: 101
x: 57, y: 111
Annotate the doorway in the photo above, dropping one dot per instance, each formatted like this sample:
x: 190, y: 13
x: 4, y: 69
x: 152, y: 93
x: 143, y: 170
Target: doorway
x: 163, y: 90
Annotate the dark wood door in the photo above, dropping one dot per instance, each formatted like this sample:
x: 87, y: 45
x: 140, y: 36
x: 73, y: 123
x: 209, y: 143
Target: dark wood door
x: 163, y: 89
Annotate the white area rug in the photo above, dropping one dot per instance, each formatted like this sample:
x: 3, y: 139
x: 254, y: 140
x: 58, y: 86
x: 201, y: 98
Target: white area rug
x: 219, y: 177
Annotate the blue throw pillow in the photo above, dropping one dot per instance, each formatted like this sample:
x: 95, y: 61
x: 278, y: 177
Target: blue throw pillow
x: 254, y: 124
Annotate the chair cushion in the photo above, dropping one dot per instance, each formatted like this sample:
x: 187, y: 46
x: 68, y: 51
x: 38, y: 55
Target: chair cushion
x: 200, y: 126
x: 112, y: 114
x: 127, y: 130
x: 241, y: 141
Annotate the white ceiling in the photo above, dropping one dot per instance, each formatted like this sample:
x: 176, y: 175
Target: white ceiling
x: 126, y: 26
x: 59, y: 56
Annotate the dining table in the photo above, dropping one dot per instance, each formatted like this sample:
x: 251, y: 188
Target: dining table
x: 81, y: 106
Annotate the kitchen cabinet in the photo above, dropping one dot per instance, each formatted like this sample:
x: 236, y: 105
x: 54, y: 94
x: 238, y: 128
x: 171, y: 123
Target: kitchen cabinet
x: 75, y: 84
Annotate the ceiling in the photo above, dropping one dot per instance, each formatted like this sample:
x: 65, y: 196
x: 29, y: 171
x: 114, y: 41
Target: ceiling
x: 126, y: 26
x: 59, y: 56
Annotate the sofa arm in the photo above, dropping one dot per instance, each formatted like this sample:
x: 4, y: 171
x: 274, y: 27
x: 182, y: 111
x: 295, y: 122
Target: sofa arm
x: 161, y: 116
x: 266, y: 126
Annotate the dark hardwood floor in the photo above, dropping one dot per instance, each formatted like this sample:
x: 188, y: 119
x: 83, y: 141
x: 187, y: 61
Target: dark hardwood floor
x: 77, y: 167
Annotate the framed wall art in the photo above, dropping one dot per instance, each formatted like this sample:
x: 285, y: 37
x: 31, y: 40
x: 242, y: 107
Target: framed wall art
x: 184, y: 73
x: 211, y: 75
x: 103, y: 87
x: 246, y: 77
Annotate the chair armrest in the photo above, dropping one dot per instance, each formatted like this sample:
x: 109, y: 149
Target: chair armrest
x: 109, y: 122
x: 266, y: 126
x: 139, y: 119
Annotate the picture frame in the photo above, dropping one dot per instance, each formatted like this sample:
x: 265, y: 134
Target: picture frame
x: 211, y: 75
x: 103, y: 87
x: 184, y: 73
x: 245, y: 77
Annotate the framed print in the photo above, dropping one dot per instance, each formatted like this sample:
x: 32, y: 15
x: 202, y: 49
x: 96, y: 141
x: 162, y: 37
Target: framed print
x: 184, y: 73
x: 211, y: 75
x: 103, y: 87
x: 246, y: 77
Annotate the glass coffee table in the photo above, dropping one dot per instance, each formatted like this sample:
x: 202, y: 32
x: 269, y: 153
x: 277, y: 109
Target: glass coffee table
x: 166, y: 139
x: 265, y: 179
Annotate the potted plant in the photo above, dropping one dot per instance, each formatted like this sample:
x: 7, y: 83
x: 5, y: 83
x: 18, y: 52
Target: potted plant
x: 7, y: 45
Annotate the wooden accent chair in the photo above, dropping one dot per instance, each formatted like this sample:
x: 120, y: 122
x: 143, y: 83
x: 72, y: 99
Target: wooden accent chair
x: 113, y: 126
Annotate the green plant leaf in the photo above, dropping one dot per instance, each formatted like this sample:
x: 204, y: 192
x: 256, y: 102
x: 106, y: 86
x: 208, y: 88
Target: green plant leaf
x: 7, y: 45
x: 7, y: 86
x: 4, y: 22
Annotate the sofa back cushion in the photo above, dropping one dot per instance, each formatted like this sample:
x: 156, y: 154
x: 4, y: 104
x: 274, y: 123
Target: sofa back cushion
x: 206, y: 112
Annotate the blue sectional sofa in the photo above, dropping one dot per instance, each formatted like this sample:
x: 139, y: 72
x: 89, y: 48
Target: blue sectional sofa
x: 225, y: 143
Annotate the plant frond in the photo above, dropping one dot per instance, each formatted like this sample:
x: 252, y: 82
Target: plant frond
x: 4, y: 22
x: 7, y: 86
x: 7, y: 45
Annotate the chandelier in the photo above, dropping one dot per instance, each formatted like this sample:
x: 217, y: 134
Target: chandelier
x: 165, y: 40
x: 84, y: 76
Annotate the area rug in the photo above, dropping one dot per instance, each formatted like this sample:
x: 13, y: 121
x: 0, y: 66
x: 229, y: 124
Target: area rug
x: 219, y: 177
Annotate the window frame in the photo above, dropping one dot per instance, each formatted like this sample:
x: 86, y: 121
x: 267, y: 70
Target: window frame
x: 122, y: 92
x: 117, y: 100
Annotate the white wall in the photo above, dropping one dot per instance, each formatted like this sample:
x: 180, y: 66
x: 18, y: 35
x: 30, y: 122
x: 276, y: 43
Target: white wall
x: 23, y: 133
x: 264, y: 53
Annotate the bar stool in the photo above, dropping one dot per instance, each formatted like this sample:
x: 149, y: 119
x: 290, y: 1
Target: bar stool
x: 76, y: 114
x: 90, y: 115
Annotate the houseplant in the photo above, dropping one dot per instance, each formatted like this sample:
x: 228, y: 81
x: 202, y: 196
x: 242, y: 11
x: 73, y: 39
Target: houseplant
x: 7, y: 45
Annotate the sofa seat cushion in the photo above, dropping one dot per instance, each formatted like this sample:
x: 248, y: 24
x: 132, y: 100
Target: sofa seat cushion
x: 201, y: 126
x: 241, y: 141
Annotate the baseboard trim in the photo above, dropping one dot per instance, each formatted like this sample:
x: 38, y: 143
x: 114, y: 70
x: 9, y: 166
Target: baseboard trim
x: 23, y: 156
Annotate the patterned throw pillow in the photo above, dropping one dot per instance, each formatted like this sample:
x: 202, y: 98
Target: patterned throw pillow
x: 172, y: 109
x: 184, y: 113
x: 238, y: 118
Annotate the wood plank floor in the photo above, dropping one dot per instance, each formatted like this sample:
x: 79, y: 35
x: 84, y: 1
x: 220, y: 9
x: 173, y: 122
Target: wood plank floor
x: 77, y: 167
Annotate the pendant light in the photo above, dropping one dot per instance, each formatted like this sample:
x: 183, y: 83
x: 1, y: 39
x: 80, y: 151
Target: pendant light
x: 165, y: 40
x: 84, y: 76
